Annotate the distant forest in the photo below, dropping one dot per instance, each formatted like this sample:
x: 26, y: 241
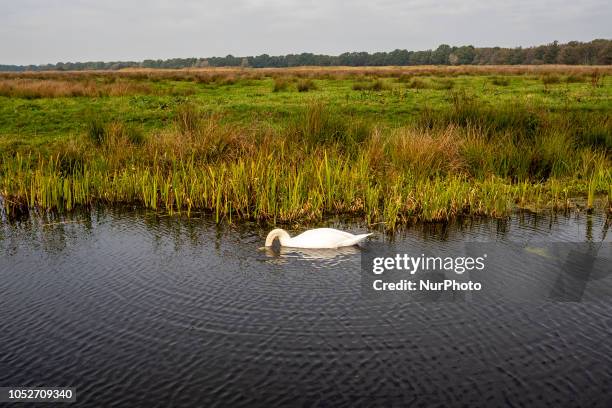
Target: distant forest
x: 596, y: 52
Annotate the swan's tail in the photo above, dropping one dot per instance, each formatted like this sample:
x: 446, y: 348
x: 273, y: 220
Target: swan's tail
x: 354, y: 240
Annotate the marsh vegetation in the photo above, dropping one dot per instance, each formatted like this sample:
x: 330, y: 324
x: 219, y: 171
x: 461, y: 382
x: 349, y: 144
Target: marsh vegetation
x: 292, y: 145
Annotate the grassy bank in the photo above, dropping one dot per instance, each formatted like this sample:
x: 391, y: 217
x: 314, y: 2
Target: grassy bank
x: 391, y: 145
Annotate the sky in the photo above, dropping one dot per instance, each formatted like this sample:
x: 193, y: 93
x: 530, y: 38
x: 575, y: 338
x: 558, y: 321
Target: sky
x: 50, y: 31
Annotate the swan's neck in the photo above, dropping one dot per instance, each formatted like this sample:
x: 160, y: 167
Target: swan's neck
x: 281, y: 234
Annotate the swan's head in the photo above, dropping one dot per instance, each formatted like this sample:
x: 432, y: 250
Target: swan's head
x: 279, y: 233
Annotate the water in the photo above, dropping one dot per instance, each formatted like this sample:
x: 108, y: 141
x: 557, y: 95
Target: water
x: 134, y: 309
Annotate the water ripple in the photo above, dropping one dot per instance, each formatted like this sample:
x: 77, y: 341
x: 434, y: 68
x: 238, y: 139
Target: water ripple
x: 133, y: 309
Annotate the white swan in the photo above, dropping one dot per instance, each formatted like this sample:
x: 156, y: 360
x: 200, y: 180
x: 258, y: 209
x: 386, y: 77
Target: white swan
x: 315, y: 238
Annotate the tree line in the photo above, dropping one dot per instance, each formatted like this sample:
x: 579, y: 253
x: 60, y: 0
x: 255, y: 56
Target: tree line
x: 596, y: 52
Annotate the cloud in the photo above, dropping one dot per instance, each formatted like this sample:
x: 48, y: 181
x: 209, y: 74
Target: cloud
x: 35, y: 31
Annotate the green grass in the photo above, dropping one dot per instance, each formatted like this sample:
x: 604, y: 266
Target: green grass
x: 37, y: 121
x: 295, y: 149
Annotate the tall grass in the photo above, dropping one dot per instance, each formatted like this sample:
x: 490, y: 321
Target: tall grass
x: 305, y: 85
x: 53, y: 88
x: 500, y: 81
x: 281, y: 84
x: 320, y: 125
x: 376, y: 85
x: 468, y: 160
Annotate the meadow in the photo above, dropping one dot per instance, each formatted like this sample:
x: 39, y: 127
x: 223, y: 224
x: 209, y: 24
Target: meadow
x: 391, y: 145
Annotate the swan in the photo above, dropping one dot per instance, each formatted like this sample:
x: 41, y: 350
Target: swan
x: 315, y: 238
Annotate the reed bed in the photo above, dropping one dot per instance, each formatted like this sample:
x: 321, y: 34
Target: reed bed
x: 464, y: 163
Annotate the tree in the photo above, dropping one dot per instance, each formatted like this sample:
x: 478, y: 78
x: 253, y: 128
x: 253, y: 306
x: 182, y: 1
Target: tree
x: 550, y: 53
x: 604, y: 56
x: 598, y: 51
x: 464, y: 55
x: 440, y: 55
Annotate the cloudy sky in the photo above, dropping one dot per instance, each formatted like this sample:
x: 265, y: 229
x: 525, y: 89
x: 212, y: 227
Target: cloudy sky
x: 49, y: 31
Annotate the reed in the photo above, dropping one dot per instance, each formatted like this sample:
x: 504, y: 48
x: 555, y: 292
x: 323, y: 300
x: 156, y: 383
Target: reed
x: 305, y: 172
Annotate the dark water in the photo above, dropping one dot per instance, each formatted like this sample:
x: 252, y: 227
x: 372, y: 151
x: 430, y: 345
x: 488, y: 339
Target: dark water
x: 138, y: 310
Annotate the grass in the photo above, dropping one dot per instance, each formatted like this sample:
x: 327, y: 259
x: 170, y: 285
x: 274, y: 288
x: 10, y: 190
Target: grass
x: 431, y: 144
x: 305, y: 85
x: 501, y: 81
x: 53, y: 88
x: 376, y: 85
x: 281, y: 84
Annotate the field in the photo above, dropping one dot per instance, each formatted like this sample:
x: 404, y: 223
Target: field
x: 391, y: 145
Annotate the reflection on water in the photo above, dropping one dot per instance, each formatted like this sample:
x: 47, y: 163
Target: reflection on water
x: 318, y: 258
x: 189, y: 313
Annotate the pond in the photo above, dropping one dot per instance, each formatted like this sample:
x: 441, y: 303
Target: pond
x: 136, y: 309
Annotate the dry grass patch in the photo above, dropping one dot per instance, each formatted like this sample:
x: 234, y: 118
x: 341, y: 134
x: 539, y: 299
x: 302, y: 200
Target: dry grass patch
x: 53, y: 88
x: 233, y: 74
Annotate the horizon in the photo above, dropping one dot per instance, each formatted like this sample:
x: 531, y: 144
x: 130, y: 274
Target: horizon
x: 39, y: 33
x: 301, y: 53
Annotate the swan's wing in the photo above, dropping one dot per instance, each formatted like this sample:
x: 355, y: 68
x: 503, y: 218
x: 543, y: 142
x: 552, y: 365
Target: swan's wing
x: 354, y: 240
x: 332, y: 232
x: 320, y: 238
